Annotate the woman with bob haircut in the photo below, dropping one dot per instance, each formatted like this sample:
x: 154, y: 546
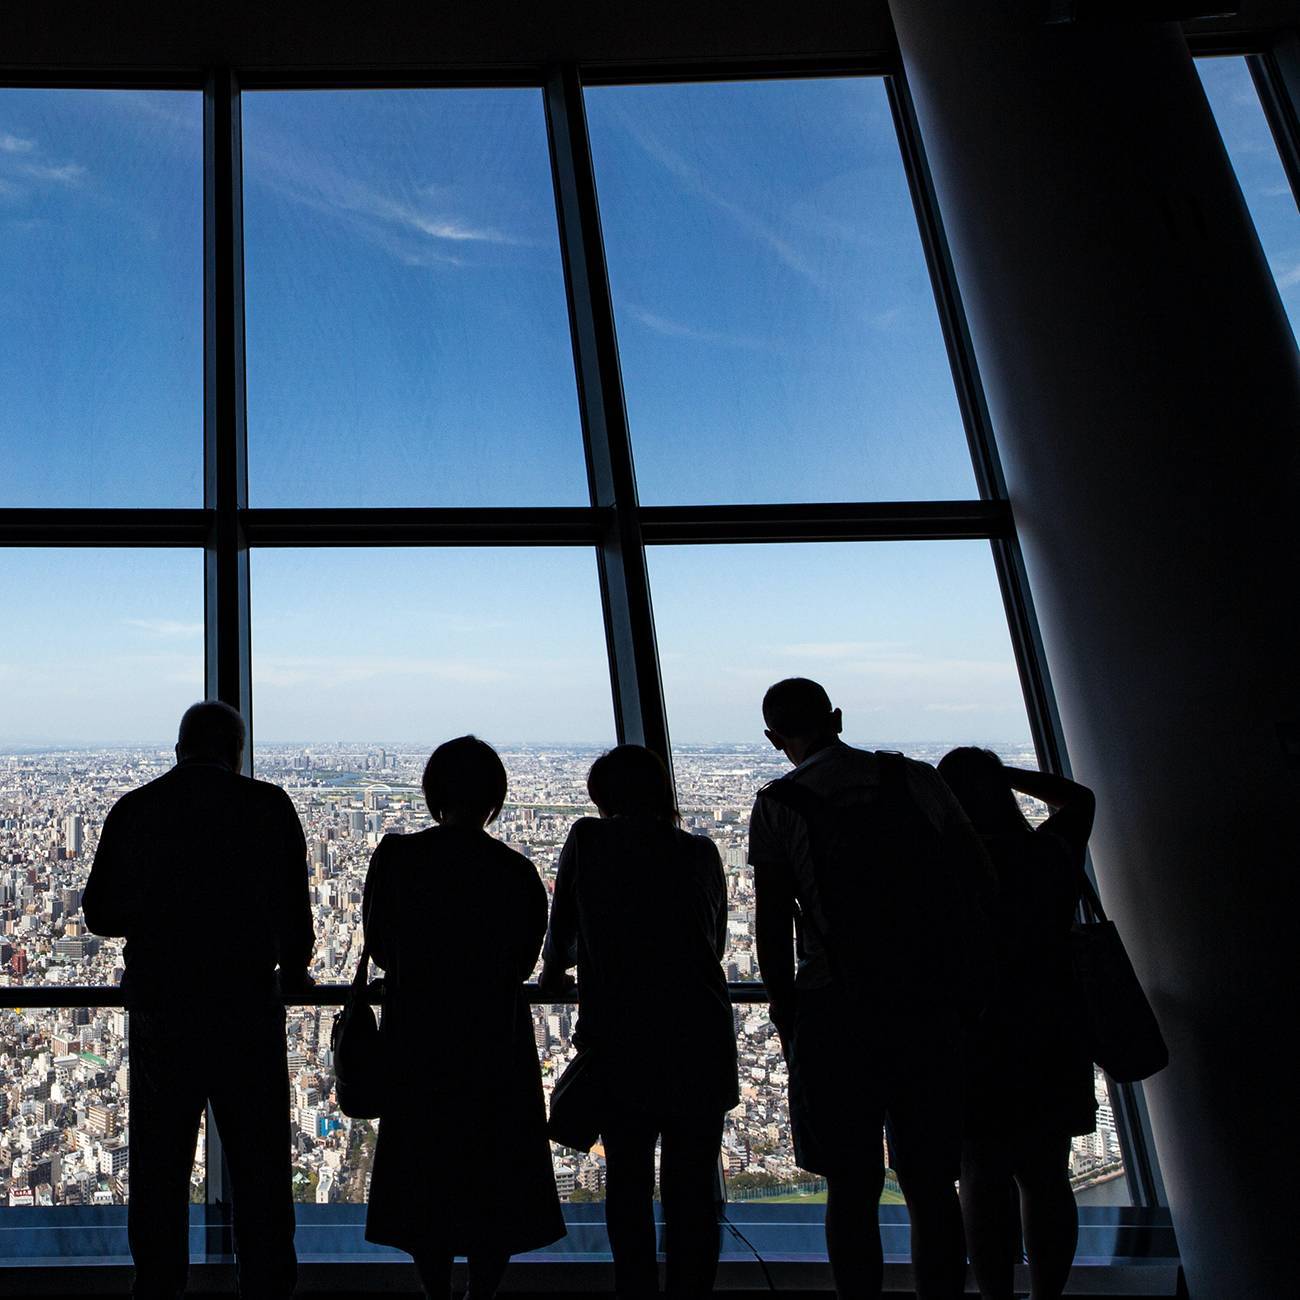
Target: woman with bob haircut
x: 456, y: 920
x: 1029, y: 1087
x: 640, y: 905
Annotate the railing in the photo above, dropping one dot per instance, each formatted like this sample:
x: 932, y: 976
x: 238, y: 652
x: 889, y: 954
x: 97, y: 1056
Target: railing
x: 15, y: 996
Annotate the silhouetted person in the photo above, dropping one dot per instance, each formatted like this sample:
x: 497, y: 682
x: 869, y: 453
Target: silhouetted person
x: 641, y: 908
x: 1030, y: 1086
x: 456, y: 919
x: 204, y: 871
x: 872, y: 864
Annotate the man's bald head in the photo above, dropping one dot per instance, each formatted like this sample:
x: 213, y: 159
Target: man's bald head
x: 212, y: 731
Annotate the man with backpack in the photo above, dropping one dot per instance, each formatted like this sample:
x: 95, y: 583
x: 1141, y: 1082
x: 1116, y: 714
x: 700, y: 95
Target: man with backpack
x: 867, y: 861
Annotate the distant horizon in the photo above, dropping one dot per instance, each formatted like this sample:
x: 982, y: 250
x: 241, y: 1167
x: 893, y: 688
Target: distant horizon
x: 8, y: 749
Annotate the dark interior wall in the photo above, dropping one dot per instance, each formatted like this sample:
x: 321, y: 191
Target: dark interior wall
x: 1145, y: 391
x: 430, y: 33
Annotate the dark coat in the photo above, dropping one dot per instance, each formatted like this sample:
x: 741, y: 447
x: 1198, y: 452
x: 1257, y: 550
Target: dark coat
x: 205, y: 874
x: 462, y: 1163
x: 641, y: 908
x: 1029, y: 1072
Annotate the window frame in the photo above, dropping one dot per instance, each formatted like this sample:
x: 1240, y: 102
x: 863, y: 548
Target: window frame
x: 614, y: 524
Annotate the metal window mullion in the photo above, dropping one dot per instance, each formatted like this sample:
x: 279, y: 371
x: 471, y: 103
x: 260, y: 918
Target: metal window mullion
x: 624, y: 581
x: 225, y: 476
x: 1276, y: 74
x: 1141, y: 1172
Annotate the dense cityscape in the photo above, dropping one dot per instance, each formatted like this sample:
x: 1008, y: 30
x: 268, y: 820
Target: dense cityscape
x: 64, y: 1072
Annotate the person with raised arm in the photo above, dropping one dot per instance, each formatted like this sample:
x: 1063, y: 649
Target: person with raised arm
x: 456, y: 919
x: 1030, y: 1082
x: 867, y: 870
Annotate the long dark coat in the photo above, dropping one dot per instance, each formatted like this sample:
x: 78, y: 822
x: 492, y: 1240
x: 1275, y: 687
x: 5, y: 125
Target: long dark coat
x: 462, y: 1164
x: 1028, y: 1072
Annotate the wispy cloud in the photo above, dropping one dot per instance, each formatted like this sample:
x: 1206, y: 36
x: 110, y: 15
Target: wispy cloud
x: 1287, y: 276
x: 163, y: 626
x: 847, y: 650
x: 752, y: 223
x: 60, y: 173
x: 464, y: 625
x: 292, y: 671
x: 679, y: 330
x: 24, y: 164
x: 418, y: 231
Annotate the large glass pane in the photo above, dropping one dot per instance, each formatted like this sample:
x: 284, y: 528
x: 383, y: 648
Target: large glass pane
x: 1253, y: 152
x: 911, y: 641
x: 771, y: 293
x: 505, y: 643
x: 101, y: 298
x: 65, y: 1111
x: 408, y: 338
x: 100, y: 653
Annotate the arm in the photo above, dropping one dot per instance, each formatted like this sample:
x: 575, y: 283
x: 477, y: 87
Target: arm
x: 719, y: 878
x: 774, y: 930
x: 294, y: 934
x: 535, y: 922
x: 374, y: 918
x: 560, y: 952
x: 108, y: 903
x: 774, y: 910
x: 1074, y: 804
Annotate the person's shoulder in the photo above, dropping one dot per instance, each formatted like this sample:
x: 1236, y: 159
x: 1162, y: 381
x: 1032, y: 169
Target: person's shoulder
x: 254, y: 788
x: 395, y: 845
x: 145, y: 799
x: 593, y: 831
x: 270, y: 799
x: 696, y: 842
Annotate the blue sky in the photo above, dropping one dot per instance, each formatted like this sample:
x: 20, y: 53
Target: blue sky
x: 408, y: 344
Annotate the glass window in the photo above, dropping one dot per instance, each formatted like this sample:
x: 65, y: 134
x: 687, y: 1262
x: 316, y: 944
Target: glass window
x: 422, y: 646
x: 101, y: 298
x: 64, y: 1112
x: 910, y: 640
x: 407, y: 327
x: 100, y: 654
x: 770, y: 293
x: 1254, y: 156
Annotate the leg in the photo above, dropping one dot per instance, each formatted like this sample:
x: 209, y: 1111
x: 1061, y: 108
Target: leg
x: 688, y: 1174
x: 434, y: 1270
x: 853, y: 1232
x: 925, y: 1116
x: 1050, y: 1217
x: 485, y: 1274
x: 986, y: 1190
x: 165, y: 1109
x: 251, y: 1107
x: 629, y: 1205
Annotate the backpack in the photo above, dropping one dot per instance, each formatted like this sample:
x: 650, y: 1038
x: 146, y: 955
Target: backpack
x: 888, y: 909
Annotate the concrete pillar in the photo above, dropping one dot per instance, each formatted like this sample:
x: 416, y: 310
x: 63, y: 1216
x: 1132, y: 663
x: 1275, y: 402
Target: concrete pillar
x: 1144, y: 388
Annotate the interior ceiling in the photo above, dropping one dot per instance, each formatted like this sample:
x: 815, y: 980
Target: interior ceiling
x: 92, y: 34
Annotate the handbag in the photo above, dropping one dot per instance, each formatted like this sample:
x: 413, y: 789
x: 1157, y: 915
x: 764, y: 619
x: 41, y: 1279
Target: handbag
x: 576, y: 1103
x: 359, y: 1073
x: 1122, y: 1033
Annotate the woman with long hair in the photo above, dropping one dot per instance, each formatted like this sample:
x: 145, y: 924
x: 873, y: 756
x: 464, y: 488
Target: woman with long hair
x: 1030, y: 1082
x: 456, y: 920
x: 640, y: 908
